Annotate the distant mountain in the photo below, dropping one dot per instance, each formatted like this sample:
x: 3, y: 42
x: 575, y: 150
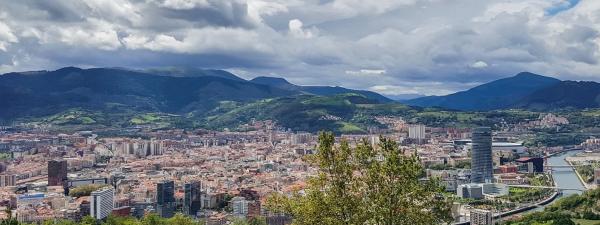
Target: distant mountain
x: 317, y: 90
x: 47, y: 92
x: 405, y: 97
x: 191, y: 72
x: 276, y: 82
x: 576, y: 94
x: 499, y: 94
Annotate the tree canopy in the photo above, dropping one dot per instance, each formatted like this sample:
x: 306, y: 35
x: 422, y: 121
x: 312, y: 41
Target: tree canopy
x: 364, y: 185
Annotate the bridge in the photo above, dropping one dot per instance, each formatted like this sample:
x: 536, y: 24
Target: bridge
x: 546, y: 187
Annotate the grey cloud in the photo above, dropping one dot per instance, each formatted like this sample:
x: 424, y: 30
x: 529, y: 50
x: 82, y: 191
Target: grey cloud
x: 425, y: 46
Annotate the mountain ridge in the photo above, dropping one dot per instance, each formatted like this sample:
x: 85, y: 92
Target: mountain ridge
x: 38, y: 93
x: 282, y: 83
x: 70, y: 87
x: 498, y: 94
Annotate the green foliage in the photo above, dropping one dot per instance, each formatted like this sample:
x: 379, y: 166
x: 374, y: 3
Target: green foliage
x: 556, y: 139
x: 364, y: 185
x: 4, y: 156
x: 566, y: 209
x: 531, y: 194
x: 586, y: 172
x: 554, y: 218
x: 253, y: 221
x: 151, y: 219
x: 85, y: 190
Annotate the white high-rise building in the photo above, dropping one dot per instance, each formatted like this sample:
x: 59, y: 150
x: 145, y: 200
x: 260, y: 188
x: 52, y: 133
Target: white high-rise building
x: 416, y: 132
x: 239, y: 206
x: 101, y: 203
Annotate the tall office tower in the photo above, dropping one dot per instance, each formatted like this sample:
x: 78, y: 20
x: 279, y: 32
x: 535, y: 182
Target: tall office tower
x: 191, y: 199
x: 481, y: 156
x: 57, y: 172
x: 101, y: 203
x: 481, y: 217
x: 416, y: 132
x: 165, y: 198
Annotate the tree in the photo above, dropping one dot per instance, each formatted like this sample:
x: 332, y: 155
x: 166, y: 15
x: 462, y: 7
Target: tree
x: 85, y: 190
x: 252, y: 221
x: 364, y: 185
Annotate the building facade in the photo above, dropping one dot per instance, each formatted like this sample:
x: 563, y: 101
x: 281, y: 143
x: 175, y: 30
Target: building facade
x: 240, y: 206
x: 482, y: 169
x: 165, y: 199
x: 416, y: 132
x: 192, y: 198
x: 57, y: 172
x: 7, y: 180
x: 101, y: 203
x: 481, y: 217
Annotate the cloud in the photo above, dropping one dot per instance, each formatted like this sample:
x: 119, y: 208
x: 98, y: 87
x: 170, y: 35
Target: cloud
x: 6, y: 36
x: 297, y: 29
x: 365, y: 72
x: 479, y: 65
x: 411, y: 46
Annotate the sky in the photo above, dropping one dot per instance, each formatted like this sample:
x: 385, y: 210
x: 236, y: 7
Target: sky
x: 394, y: 47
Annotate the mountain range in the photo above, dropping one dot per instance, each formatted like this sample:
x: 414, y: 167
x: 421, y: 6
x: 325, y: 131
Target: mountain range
x: 524, y: 90
x: 178, y: 91
x: 317, y: 90
x: 218, y: 99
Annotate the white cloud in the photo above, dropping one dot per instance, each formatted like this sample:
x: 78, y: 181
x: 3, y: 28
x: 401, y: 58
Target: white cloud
x: 365, y: 72
x: 99, y: 34
x: 479, y: 65
x: 356, y: 7
x: 182, y: 4
x: 6, y: 36
x: 296, y: 29
x: 429, y: 44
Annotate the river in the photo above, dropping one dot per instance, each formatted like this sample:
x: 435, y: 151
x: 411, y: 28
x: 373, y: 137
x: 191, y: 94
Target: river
x: 565, y: 177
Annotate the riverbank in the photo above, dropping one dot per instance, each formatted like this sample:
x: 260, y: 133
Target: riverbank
x: 563, y: 177
x: 585, y: 184
x: 520, y: 209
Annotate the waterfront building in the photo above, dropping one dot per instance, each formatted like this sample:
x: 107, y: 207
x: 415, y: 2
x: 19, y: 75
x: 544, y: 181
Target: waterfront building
x: 474, y: 191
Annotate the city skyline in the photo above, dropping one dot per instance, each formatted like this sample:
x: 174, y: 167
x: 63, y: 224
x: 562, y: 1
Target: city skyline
x: 300, y: 112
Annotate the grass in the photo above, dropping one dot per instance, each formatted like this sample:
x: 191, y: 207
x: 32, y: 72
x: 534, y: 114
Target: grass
x: 146, y: 118
x: 586, y: 222
x: 4, y: 156
x: 349, y: 128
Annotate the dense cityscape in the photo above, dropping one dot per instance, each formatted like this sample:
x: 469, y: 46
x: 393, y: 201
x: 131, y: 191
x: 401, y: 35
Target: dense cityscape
x: 300, y: 112
x: 220, y: 176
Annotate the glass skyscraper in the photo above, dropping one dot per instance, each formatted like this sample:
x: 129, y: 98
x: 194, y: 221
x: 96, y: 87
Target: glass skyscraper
x: 482, y: 169
x: 165, y: 199
x: 191, y: 200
